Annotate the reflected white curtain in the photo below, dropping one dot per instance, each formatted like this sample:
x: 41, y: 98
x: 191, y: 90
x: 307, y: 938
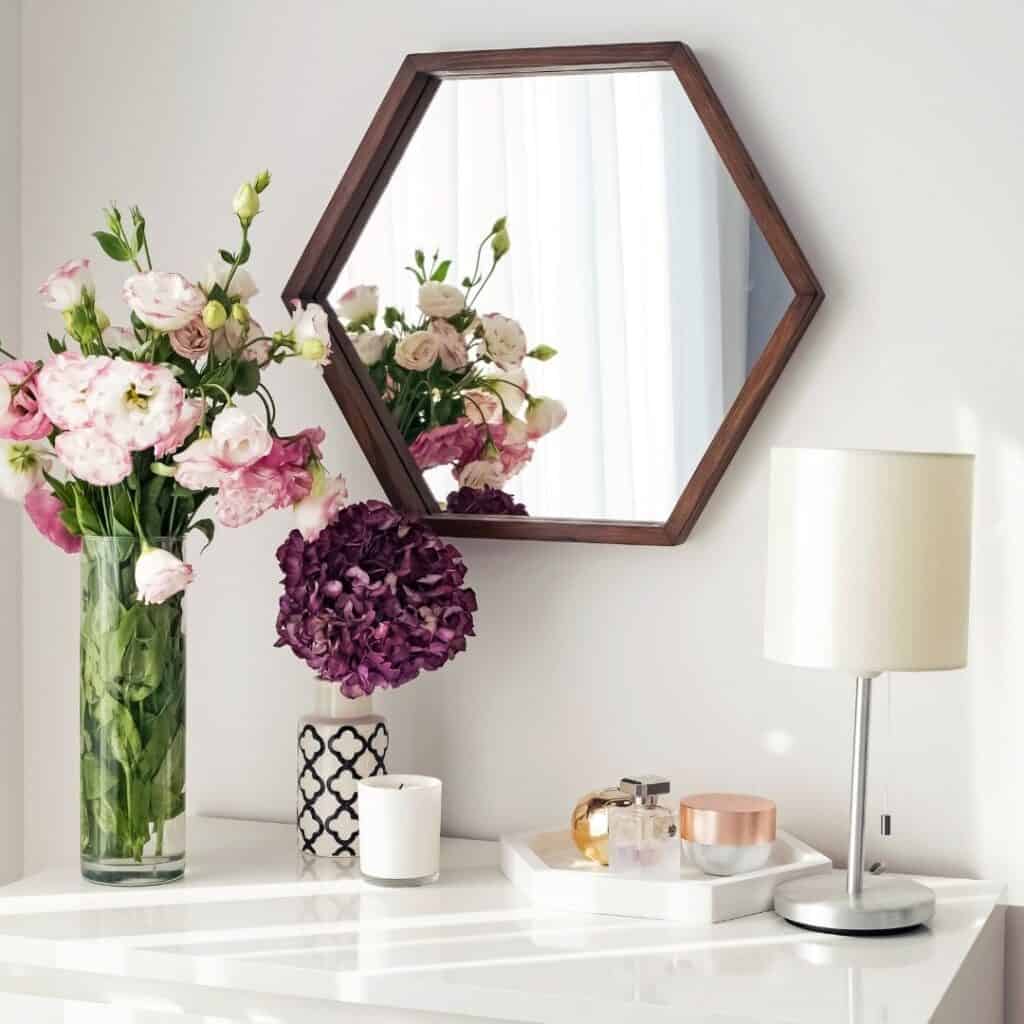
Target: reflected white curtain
x: 629, y: 255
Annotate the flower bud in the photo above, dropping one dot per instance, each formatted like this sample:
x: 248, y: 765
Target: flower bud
x: 499, y: 225
x: 214, y: 315
x: 312, y: 349
x: 500, y: 244
x: 543, y: 353
x: 246, y: 203
x: 102, y: 320
x: 239, y: 314
x: 262, y: 181
x: 69, y: 319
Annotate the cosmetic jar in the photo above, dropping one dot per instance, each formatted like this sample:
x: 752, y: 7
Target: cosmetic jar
x: 727, y: 833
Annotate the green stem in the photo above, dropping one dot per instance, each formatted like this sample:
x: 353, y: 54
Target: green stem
x: 238, y: 260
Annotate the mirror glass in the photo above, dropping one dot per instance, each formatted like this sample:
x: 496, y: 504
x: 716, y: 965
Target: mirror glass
x: 585, y: 370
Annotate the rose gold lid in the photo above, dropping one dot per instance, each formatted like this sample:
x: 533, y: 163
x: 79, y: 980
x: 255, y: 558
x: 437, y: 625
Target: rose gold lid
x: 726, y: 819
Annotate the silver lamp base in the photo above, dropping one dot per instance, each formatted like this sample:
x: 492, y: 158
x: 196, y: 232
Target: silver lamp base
x: 821, y: 902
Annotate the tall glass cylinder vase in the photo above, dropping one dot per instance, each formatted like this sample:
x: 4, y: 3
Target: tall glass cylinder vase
x: 132, y: 721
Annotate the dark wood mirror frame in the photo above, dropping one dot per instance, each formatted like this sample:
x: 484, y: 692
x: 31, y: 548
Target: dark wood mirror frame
x: 357, y: 194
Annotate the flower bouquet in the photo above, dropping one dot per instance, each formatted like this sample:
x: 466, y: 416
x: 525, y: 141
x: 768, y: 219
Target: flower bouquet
x: 117, y: 444
x: 454, y: 379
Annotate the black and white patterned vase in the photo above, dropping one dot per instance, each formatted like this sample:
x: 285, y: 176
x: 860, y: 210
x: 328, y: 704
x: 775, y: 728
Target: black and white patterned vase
x: 342, y: 742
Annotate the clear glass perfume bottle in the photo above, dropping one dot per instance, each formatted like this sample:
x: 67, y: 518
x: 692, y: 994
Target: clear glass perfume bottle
x: 642, y: 841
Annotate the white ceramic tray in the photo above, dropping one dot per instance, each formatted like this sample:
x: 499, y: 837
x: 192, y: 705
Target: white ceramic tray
x: 548, y: 868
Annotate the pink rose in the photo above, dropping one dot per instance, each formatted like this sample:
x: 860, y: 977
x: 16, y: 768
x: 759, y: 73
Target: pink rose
x: 480, y: 474
x: 64, y: 384
x: 23, y: 419
x: 134, y: 404
x: 188, y: 419
x: 63, y: 288
x: 451, y: 345
x: 544, y: 415
x: 483, y: 406
x: 460, y: 441
x: 93, y: 457
x: 191, y: 341
x: 314, y: 512
x: 164, y: 301
x: 358, y: 304
x: 418, y: 351
x: 160, y: 575
x: 504, y: 340
x: 44, y: 508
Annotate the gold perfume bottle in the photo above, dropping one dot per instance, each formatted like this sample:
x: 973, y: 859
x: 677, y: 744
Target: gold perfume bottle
x: 642, y: 838
x: 590, y: 821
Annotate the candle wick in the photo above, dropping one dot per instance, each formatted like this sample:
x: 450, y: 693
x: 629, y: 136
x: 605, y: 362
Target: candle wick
x: 401, y: 784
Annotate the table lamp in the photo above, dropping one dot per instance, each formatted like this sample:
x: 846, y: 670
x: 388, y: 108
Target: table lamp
x: 869, y: 566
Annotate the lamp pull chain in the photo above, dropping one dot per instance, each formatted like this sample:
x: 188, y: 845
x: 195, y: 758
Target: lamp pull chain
x: 889, y: 747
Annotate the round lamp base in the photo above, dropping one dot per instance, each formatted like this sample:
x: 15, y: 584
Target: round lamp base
x: 821, y: 903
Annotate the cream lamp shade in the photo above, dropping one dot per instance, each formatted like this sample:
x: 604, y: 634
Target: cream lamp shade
x: 869, y: 560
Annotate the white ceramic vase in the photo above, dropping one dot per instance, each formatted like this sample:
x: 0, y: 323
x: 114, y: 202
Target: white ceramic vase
x: 341, y: 742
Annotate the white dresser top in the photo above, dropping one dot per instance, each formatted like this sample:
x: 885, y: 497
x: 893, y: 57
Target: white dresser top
x: 254, y: 933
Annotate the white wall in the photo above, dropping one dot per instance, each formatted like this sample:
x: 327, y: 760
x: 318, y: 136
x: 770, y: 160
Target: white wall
x: 890, y: 136
x: 11, y: 838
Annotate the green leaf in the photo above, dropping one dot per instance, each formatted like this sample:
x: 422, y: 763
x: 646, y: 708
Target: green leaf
x: 206, y: 527
x: 245, y: 252
x: 247, y: 377
x: 217, y: 293
x: 108, y: 817
x: 227, y: 257
x: 442, y: 271
x: 150, y: 511
x: 85, y: 514
x: 391, y: 316
x: 125, y: 742
x: 418, y: 254
x: 155, y: 754
x: 123, y: 522
x: 95, y: 781
x: 113, y: 246
x: 56, y: 345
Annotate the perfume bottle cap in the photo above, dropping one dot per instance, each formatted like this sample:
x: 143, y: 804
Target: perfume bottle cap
x: 645, y: 787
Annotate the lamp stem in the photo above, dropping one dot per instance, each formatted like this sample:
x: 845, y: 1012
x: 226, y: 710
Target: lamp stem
x: 859, y: 787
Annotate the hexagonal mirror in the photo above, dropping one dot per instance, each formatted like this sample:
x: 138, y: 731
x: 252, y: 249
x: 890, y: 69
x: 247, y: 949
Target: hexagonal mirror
x: 559, y: 292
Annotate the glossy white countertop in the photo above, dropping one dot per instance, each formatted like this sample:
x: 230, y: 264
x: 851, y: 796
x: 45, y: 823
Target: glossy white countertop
x: 254, y: 933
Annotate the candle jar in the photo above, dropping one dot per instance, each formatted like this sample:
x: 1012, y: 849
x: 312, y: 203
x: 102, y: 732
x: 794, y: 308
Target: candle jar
x: 400, y: 829
x: 727, y: 833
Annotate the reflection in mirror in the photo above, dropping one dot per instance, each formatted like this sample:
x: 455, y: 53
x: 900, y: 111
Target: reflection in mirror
x: 630, y: 289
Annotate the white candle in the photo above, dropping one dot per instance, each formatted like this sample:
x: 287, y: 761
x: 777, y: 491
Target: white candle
x: 400, y: 829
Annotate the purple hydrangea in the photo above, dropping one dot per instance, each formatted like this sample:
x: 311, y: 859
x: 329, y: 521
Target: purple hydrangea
x: 374, y: 600
x: 484, y: 501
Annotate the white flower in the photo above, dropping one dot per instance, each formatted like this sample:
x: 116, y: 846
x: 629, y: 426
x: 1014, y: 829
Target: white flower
x: 480, y: 474
x: 516, y: 432
x: 161, y: 300
x: 134, y: 404
x: 63, y: 288
x: 320, y: 506
x: 370, y: 345
x: 246, y: 203
x: 192, y: 410
x: 543, y: 416
x: 482, y: 406
x: 358, y: 304
x: 21, y: 467
x: 160, y: 575
x: 440, y: 300
x: 63, y: 385
x: 242, y: 288
x: 238, y: 438
x: 310, y: 335
x: 418, y: 351
x: 93, y: 457
x: 451, y: 345
x: 510, y: 387
x: 504, y: 340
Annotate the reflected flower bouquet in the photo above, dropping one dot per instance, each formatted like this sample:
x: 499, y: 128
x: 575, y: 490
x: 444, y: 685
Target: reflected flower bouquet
x: 453, y: 378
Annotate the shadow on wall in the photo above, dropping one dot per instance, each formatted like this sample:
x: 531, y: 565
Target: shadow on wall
x: 1014, y: 956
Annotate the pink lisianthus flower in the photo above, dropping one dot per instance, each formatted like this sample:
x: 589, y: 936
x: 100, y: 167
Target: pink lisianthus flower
x: 63, y: 288
x: 64, y: 384
x: 160, y: 575
x: 188, y: 419
x: 21, y: 467
x: 22, y: 419
x: 460, y: 441
x: 134, y: 404
x: 544, y: 415
x: 93, y: 457
x: 316, y: 511
x: 44, y: 508
x: 164, y: 301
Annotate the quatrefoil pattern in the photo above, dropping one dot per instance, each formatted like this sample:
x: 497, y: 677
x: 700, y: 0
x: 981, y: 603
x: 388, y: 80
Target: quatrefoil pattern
x: 333, y: 757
